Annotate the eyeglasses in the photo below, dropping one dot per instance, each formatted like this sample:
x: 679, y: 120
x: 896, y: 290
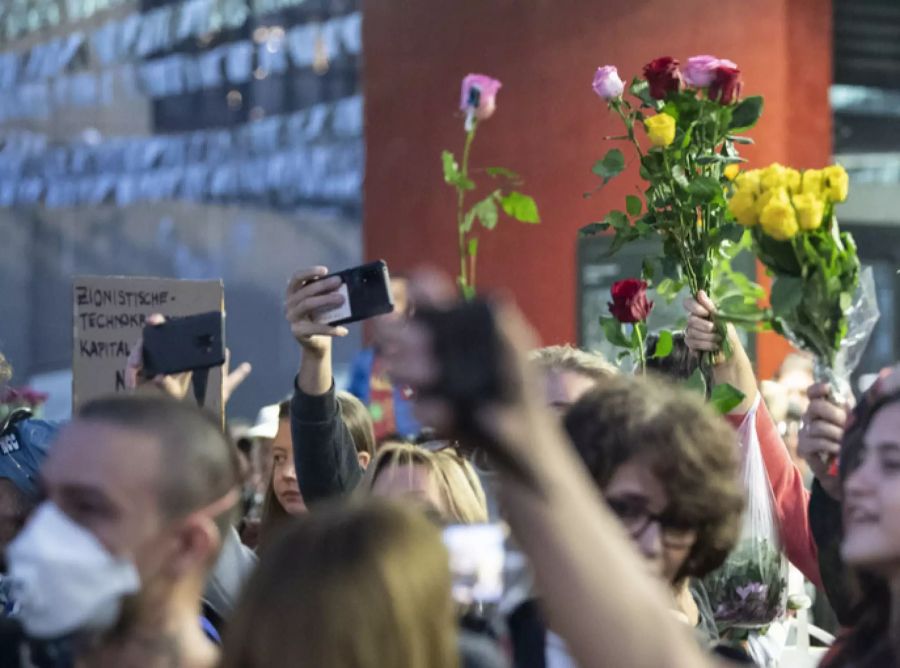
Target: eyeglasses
x: 637, y: 519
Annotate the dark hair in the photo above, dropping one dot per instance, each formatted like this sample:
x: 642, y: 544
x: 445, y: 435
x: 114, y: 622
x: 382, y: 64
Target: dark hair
x: 358, y: 421
x: 273, y: 516
x: 349, y: 586
x: 691, y: 450
x: 680, y: 364
x: 202, y: 464
x: 871, y: 616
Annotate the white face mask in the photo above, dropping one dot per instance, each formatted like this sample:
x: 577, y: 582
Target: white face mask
x: 66, y: 580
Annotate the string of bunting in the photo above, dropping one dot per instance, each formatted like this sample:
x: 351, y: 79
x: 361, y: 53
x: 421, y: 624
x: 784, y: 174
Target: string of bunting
x: 233, y: 63
x: 19, y: 18
x: 315, y: 153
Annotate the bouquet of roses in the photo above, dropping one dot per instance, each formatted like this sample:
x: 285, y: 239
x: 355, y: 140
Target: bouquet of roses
x: 821, y: 299
x: 692, y: 119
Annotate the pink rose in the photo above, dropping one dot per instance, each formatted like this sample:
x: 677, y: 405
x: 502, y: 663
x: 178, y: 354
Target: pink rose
x: 700, y: 71
x: 479, y: 95
x: 607, y: 83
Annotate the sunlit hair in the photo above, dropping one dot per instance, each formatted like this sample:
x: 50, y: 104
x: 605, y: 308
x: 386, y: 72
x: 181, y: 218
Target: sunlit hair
x: 567, y: 358
x: 362, y: 585
x: 358, y: 421
x: 690, y: 449
x: 459, y: 486
x: 6, y: 370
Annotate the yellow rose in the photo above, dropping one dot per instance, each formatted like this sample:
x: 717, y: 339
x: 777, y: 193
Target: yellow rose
x: 792, y: 180
x: 731, y: 171
x: 748, y: 181
x: 776, y: 194
x: 773, y: 176
x: 778, y: 220
x: 660, y: 129
x: 810, y: 211
x: 743, y: 207
x: 812, y: 182
x: 837, y: 183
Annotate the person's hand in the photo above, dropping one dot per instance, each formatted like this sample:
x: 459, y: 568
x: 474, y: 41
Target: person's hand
x: 231, y: 380
x: 701, y: 334
x: 176, y: 385
x: 307, y: 294
x: 507, y: 429
x: 820, y: 438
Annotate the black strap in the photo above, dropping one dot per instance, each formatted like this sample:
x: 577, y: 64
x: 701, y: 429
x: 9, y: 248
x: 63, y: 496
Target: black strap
x: 16, y: 416
x: 200, y: 381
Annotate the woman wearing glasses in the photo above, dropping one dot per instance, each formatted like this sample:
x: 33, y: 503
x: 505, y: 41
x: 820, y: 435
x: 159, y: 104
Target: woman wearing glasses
x: 667, y: 467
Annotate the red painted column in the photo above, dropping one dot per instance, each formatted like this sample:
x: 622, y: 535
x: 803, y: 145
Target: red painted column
x: 549, y: 124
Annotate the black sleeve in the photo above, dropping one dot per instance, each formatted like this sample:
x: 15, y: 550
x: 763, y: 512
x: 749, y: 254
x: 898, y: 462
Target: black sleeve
x: 840, y: 584
x: 324, y: 453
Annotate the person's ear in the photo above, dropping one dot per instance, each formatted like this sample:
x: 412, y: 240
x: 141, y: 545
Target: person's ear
x: 197, y: 542
x: 364, y: 459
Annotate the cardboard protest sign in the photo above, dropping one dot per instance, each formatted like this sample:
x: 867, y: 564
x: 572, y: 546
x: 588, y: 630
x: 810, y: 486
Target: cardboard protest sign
x: 109, y: 315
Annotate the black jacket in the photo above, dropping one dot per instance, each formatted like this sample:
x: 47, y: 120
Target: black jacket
x: 324, y: 452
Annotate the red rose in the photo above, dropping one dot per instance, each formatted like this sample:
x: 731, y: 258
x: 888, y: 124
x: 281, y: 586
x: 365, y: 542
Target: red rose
x: 629, y: 301
x: 663, y: 76
x: 726, y: 85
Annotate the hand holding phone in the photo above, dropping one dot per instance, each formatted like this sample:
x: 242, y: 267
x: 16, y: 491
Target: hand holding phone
x: 319, y: 304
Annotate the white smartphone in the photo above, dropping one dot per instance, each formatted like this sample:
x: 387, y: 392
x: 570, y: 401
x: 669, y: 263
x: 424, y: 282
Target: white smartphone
x: 477, y: 560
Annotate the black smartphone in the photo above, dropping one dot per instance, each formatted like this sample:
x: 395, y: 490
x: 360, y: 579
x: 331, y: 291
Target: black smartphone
x: 187, y: 343
x: 367, y: 293
x: 466, y: 343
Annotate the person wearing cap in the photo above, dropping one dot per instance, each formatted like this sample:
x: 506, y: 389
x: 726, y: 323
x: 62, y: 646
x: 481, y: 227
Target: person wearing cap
x: 24, y: 442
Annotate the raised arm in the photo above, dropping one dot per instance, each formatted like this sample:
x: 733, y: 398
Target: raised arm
x: 594, y: 589
x: 791, y: 496
x: 324, y: 452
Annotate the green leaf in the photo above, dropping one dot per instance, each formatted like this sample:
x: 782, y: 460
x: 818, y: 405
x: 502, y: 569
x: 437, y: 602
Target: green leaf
x: 618, y: 220
x: 680, y: 177
x: 473, y: 247
x: 641, y: 90
x: 452, y: 175
x: 486, y: 212
x: 648, y: 270
x: 614, y: 332
x: 451, y: 168
x: 725, y: 398
x: 704, y: 188
x: 740, y: 140
x: 503, y: 172
x: 664, y: 345
x: 633, y: 205
x: 521, y: 207
x: 787, y: 293
x: 745, y: 115
x: 611, y: 165
x: 696, y: 383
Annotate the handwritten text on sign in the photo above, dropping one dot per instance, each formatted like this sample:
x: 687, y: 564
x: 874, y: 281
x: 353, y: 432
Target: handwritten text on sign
x: 109, y: 316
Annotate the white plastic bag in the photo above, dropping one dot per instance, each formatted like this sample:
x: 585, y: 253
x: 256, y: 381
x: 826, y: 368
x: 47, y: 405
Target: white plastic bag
x: 750, y: 589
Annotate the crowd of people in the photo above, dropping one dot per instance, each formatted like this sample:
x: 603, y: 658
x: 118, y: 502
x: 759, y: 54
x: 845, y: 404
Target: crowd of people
x: 142, y: 533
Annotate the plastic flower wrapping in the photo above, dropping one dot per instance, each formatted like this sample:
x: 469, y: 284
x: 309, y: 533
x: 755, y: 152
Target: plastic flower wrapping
x: 822, y: 300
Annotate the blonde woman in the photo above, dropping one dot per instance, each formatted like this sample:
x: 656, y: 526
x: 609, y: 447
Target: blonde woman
x: 311, y: 601
x: 441, y: 481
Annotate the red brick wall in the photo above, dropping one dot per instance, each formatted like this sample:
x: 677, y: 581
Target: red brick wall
x: 549, y: 124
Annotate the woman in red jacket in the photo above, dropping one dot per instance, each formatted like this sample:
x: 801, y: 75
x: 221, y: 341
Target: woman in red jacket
x: 790, y: 494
